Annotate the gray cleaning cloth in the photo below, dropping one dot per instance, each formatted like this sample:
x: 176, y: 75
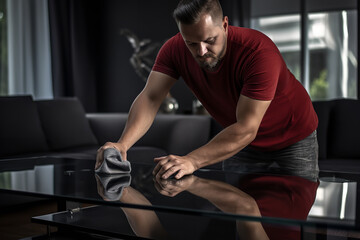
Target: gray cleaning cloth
x: 111, y: 186
x: 113, y: 163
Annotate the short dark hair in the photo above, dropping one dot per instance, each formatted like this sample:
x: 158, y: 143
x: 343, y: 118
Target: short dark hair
x: 189, y: 11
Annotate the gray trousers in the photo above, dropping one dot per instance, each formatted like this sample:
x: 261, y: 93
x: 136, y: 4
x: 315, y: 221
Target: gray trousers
x: 299, y: 159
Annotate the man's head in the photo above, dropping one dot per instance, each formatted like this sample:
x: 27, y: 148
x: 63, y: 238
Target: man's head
x: 204, y: 29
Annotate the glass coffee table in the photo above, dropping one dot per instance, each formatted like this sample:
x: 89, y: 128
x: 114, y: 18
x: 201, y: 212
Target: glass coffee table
x: 210, y: 204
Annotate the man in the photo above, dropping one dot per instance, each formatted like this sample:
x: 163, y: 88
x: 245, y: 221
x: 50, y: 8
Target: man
x: 241, y: 79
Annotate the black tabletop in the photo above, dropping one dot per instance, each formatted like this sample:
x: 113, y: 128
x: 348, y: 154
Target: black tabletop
x: 266, y: 197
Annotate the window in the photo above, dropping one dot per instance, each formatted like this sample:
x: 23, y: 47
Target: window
x: 333, y: 55
x: 331, y: 48
x: 285, y: 32
x: 3, y: 49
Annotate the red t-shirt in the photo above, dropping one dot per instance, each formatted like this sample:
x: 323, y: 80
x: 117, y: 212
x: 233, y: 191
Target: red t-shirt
x: 284, y: 197
x: 253, y: 67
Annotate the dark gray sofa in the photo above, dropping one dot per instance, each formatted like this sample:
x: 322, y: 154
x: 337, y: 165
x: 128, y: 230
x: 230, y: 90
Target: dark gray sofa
x: 338, y: 134
x: 60, y: 128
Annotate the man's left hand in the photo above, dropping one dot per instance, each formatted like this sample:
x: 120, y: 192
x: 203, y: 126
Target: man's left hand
x: 174, y: 165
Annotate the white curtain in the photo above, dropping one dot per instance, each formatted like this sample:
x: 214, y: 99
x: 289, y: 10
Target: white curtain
x: 33, y: 179
x: 29, y: 48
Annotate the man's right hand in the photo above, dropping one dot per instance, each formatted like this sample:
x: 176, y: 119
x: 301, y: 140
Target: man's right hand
x: 100, y: 152
x: 172, y: 187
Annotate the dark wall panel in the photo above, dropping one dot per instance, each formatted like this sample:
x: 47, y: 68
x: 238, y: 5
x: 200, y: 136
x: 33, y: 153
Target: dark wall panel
x: 118, y: 82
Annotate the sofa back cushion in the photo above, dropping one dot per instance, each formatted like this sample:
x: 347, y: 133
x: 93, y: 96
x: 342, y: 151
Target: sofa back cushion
x: 343, y: 140
x: 107, y: 127
x: 20, y: 127
x: 65, y: 124
x: 175, y: 134
x: 180, y: 134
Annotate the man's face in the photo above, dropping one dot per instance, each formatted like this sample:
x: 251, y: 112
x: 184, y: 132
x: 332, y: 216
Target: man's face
x: 206, y: 41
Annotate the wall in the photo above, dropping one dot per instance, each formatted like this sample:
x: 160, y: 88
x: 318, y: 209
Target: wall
x: 118, y: 82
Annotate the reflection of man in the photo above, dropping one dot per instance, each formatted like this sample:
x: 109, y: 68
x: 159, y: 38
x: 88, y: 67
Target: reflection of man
x: 286, y: 197
x: 241, y: 79
x: 227, y: 198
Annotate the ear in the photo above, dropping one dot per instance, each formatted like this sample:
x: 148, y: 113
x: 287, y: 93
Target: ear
x: 225, y: 24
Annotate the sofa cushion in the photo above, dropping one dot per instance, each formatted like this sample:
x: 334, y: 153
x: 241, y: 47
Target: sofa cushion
x: 340, y: 165
x: 343, y: 140
x: 20, y: 127
x: 107, y: 127
x: 177, y: 134
x: 65, y: 124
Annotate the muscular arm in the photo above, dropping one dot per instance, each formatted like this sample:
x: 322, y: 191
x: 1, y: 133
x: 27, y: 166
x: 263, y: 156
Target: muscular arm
x: 234, y: 138
x: 145, y: 107
x: 141, y: 114
x: 249, y: 114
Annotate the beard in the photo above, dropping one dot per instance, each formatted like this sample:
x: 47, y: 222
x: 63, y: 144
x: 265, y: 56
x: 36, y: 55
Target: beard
x: 211, y: 61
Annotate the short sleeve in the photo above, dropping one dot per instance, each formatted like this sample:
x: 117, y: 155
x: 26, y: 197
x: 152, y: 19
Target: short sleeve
x: 262, y: 75
x: 165, y: 60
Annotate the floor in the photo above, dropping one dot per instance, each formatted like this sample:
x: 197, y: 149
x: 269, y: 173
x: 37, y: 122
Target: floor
x: 16, y: 224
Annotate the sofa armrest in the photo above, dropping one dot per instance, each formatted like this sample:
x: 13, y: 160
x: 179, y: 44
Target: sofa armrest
x: 176, y: 134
